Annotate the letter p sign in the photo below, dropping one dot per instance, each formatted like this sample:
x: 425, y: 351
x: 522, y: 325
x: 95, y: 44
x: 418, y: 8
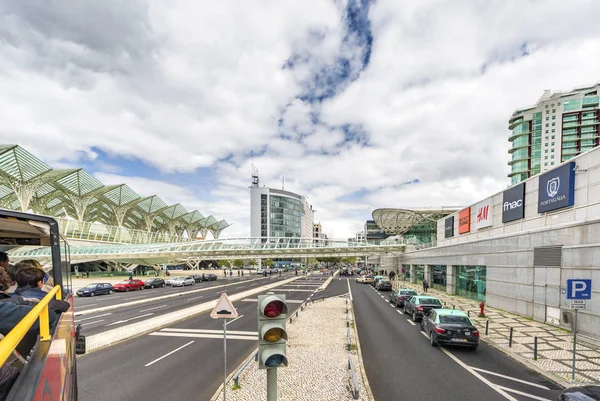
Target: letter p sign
x: 579, y: 289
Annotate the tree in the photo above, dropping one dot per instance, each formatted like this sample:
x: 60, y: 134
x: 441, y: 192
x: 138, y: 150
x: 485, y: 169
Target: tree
x: 268, y: 262
x: 252, y: 262
x: 349, y: 260
x: 329, y: 260
x: 239, y: 263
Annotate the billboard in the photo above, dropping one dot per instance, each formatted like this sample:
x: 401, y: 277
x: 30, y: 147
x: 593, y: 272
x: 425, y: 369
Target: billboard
x: 513, y: 203
x: 557, y: 188
x: 449, y: 227
x: 483, y: 214
x: 464, y: 221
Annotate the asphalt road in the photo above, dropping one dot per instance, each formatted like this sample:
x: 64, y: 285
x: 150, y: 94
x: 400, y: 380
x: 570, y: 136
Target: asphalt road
x: 181, y: 361
x: 401, y: 364
x: 97, y: 322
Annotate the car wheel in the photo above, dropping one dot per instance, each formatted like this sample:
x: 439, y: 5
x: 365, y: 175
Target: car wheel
x: 92, y: 294
x: 141, y: 288
x: 414, y: 316
x: 110, y: 291
x: 432, y: 340
x: 126, y: 289
x: 151, y: 285
x: 162, y: 285
x: 404, y: 308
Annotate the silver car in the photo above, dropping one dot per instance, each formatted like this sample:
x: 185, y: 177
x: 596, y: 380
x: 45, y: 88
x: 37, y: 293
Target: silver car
x: 182, y: 281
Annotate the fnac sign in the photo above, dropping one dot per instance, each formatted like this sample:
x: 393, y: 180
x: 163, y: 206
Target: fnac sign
x: 464, y: 221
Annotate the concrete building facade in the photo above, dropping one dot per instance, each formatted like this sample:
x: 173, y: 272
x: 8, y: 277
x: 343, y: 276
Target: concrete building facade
x: 516, y: 249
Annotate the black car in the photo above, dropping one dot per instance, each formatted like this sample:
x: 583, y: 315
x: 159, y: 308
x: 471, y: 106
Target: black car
x: 399, y: 296
x: 209, y: 277
x: 94, y: 289
x: 450, y: 327
x: 583, y: 393
x: 384, y: 285
x: 197, y: 278
x: 417, y: 306
x: 154, y: 283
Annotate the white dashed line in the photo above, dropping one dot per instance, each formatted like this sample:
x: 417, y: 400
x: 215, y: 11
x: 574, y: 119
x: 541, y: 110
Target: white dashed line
x: 411, y: 322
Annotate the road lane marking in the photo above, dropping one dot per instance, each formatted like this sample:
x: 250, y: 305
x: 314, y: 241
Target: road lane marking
x: 95, y: 321
x: 411, y: 322
x: 392, y: 305
x: 201, y: 335
x: 191, y: 299
x: 400, y: 312
x: 93, y: 317
x: 510, y: 378
x: 207, y: 331
x: 512, y: 390
x: 156, y: 307
x: 141, y: 296
x: 85, y: 306
x: 166, y: 355
x: 494, y: 387
x: 133, y: 318
x: 350, y: 291
x: 289, y: 301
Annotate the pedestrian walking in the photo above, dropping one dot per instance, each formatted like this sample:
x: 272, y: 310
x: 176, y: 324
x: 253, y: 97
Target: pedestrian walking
x: 425, y: 286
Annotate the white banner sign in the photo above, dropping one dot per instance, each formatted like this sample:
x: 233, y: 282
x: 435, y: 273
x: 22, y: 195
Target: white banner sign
x: 483, y: 214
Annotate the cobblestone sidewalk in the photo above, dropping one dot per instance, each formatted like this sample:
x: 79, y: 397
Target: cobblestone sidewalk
x: 555, y: 345
x: 318, y: 360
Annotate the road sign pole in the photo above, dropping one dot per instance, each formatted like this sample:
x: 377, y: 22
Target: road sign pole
x: 272, y: 384
x: 574, y: 343
x: 224, y: 359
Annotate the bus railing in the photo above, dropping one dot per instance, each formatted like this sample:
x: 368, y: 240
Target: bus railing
x: 41, y: 312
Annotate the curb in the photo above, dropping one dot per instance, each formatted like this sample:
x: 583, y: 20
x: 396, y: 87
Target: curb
x: 327, y: 282
x: 114, y: 336
x: 216, y: 395
x: 360, y: 359
x: 160, y: 298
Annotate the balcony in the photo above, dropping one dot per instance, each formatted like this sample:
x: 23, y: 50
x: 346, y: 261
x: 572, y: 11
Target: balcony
x: 569, y: 151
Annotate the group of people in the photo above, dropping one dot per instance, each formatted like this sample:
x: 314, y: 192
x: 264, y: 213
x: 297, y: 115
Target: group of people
x: 22, y: 286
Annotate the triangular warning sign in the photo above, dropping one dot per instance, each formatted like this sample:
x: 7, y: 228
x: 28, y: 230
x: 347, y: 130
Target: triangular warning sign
x: 224, y: 309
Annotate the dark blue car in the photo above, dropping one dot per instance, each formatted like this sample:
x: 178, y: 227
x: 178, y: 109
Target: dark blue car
x: 94, y: 289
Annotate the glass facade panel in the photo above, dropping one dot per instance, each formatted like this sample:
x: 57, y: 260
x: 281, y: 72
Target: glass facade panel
x: 406, y: 272
x: 574, y: 104
x: 438, y: 277
x: 285, y: 216
x: 471, y: 282
x: 420, y: 273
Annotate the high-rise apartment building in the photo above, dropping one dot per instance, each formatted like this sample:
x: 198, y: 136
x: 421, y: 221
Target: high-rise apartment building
x: 317, y: 231
x: 277, y: 213
x: 558, y: 127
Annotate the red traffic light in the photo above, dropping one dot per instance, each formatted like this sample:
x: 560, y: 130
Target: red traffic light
x: 273, y: 309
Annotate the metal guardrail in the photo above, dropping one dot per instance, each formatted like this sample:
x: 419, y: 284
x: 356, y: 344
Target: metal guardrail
x: 355, y: 387
x: 41, y: 312
x: 237, y: 375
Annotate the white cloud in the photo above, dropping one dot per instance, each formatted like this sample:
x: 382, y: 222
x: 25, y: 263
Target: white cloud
x: 188, y: 84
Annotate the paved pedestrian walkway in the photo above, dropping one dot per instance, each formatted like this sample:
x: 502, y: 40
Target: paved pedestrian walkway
x: 318, y: 354
x: 554, y: 345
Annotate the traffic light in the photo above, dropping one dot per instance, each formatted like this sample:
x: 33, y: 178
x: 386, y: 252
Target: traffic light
x: 272, y: 335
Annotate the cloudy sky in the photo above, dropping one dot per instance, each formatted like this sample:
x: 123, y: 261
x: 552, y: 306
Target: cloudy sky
x: 358, y: 104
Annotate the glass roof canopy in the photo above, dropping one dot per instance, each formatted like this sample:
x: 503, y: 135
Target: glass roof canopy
x: 27, y: 183
x: 402, y: 220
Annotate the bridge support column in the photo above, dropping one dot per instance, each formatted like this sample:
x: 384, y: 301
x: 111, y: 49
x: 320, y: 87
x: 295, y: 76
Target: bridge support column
x: 413, y: 274
x: 427, y: 274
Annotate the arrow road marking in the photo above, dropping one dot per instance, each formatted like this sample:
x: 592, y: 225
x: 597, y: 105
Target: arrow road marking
x: 127, y: 320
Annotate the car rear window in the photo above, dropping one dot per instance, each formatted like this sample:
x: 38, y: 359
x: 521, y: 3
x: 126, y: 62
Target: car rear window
x: 385, y: 282
x: 408, y: 292
x: 454, y: 319
x: 430, y: 301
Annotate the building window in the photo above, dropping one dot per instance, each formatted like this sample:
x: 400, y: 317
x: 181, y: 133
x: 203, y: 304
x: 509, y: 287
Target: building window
x: 554, y: 117
x: 553, y: 124
x: 546, y: 106
x: 553, y: 130
x: 547, y: 118
x: 553, y: 135
x: 552, y: 150
x: 553, y: 111
x: 545, y: 157
x: 552, y: 143
x: 471, y: 282
x: 546, y: 164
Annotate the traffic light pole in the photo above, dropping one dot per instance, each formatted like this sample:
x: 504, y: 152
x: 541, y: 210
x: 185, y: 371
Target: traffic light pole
x: 272, y: 384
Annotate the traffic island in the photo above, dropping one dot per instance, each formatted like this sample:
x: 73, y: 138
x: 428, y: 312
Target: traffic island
x: 317, y: 353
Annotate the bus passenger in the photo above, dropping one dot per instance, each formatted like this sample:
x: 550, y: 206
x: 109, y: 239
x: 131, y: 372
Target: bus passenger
x: 30, y: 282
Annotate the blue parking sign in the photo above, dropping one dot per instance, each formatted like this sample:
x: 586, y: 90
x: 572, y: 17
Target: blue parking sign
x: 579, y: 289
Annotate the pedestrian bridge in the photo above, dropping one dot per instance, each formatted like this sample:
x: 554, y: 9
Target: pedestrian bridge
x: 232, y: 248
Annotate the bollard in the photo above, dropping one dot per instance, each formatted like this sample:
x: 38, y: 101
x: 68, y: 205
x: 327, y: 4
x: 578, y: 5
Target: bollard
x: 452, y: 306
x: 469, y: 313
x: 510, y: 335
x: 487, y: 325
x: 535, y: 348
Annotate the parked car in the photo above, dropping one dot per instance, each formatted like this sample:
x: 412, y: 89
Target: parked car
x: 168, y: 281
x: 384, y: 285
x: 260, y: 271
x: 399, y: 296
x: 417, y: 306
x: 210, y: 277
x: 582, y: 393
x: 197, y: 278
x: 129, y: 285
x: 154, y: 283
x: 182, y: 281
x: 367, y: 280
x: 450, y: 327
x: 94, y: 289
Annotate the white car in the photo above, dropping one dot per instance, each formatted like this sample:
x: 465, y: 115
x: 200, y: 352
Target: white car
x: 260, y: 271
x: 182, y: 281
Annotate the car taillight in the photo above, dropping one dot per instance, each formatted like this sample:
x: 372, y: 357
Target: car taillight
x: 439, y: 330
x: 475, y: 333
x: 419, y: 308
x: 401, y: 298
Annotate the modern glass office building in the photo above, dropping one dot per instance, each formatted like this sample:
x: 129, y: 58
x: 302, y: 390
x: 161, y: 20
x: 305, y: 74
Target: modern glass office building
x: 277, y: 213
x: 558, y: 127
